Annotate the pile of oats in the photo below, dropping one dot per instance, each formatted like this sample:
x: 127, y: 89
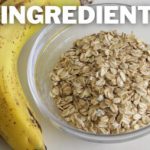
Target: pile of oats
x: 101, y: 85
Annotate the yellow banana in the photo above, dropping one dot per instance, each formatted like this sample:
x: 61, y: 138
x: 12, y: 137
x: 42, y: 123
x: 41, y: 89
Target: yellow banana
x: 18, y: 125
x: 41, y: 2
x: 18, y: 3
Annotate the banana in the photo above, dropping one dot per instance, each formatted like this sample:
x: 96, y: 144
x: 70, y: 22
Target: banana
x: 18, y: 126
x: 28, y: 3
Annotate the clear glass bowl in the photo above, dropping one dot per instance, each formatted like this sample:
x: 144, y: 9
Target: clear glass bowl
x: 50, y: 43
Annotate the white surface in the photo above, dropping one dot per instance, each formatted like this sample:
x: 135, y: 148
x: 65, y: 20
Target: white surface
x: 57, y: 140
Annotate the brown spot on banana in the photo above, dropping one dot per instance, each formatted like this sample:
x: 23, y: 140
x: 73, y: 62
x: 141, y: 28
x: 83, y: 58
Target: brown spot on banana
x: 80, y: 2
x: 86, y: 2
x: 45, y: 147
x: 19, y: 4
x: 34, y: 119
x: 2, y: 1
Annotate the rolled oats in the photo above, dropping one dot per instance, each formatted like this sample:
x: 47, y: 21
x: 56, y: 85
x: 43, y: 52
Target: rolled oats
x: 101, y: 85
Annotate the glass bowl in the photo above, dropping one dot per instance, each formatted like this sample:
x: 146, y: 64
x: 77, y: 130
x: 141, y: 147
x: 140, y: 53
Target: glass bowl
x: 50, y: 43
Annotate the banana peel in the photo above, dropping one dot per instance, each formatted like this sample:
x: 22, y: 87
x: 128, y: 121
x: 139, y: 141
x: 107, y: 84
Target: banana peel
x: 18, y: 125
x: 28, y: 3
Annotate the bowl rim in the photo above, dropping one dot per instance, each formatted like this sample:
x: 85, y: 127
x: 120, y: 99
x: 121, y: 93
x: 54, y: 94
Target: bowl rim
x: 44, y: 111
